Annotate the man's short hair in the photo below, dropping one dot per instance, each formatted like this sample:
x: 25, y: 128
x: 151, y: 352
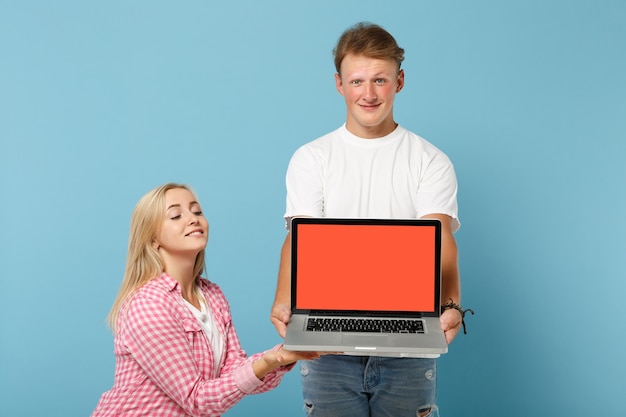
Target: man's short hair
x: 369, y: 40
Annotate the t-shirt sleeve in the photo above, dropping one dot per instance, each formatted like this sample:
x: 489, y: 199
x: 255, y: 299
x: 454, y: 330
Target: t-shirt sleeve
x: 437, y: 191
x: 304, y: 186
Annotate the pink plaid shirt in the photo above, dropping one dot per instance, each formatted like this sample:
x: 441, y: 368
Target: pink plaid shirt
x: 164, y: 362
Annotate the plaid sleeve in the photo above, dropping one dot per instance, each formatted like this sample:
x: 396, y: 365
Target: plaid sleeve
x: 158, y: 341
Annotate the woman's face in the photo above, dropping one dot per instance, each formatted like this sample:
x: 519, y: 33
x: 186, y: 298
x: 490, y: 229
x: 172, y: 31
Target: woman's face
x: 184, y: 230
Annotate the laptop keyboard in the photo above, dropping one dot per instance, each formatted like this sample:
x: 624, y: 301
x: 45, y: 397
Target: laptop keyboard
x: 327, y: 324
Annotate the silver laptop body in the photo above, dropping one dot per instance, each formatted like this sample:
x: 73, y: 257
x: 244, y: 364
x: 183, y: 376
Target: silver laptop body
x: 366, y: 287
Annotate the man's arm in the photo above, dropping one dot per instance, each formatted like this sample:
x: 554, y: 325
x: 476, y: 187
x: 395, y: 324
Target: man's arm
x: 281, y: 310
x: 451, y: 319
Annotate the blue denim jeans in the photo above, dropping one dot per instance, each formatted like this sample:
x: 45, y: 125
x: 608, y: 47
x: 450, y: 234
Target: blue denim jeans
x: 368, y: 386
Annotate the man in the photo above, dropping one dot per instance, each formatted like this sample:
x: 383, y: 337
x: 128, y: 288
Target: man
x: 372, y: 167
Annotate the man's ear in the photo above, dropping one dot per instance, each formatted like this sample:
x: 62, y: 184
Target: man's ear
x: 338, y: 84
x: 400, y: 81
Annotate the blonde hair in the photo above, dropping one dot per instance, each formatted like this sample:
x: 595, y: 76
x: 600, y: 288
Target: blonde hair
x: 143, y: 262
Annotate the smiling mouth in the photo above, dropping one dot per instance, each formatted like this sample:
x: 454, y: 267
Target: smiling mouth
x: 195, y: 233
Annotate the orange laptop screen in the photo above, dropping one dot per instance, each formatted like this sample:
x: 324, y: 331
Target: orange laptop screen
x: 369, y: 267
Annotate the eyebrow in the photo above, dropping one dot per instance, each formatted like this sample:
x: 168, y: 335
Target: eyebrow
x: 178, y: 205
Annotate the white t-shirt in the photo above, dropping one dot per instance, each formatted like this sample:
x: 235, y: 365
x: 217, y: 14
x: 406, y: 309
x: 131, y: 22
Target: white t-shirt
x: 210, y: 329
x: 400, y: 175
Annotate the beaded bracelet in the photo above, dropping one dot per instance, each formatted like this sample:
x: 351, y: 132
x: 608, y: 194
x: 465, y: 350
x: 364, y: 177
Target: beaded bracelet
x: 452, y: 304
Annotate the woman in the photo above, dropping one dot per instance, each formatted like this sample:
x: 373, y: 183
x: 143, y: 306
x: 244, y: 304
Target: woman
x: 177, y: 352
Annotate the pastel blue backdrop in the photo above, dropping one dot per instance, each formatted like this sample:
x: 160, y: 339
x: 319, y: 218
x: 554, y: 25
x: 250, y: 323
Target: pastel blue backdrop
x: 102, y: 101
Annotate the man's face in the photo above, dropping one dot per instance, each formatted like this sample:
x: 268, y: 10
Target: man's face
x: 369, y: 87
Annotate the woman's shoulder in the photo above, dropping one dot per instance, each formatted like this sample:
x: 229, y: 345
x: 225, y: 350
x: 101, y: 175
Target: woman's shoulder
x: 154, y: 301
x: 158, y: 292
x: 158, y: 287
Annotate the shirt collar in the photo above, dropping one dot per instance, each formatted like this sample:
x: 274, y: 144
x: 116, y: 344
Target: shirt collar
x: 171, y: 284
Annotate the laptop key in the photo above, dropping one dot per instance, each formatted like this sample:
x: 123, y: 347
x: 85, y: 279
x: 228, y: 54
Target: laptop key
x: 364, y: 325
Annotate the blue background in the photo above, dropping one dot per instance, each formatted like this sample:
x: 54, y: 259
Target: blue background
x: 102, y: 101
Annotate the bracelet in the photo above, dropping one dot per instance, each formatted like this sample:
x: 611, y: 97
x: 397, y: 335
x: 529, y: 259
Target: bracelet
x: 451, y: 304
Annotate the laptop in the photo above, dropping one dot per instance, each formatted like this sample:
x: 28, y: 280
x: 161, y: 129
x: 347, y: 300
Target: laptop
x: 366, y: 287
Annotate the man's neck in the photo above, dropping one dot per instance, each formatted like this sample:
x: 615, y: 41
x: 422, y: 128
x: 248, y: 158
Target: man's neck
x: 371, y: 132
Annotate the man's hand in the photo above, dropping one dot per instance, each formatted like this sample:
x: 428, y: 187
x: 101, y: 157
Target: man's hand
x: 280, y: 317
x: 451, y: 321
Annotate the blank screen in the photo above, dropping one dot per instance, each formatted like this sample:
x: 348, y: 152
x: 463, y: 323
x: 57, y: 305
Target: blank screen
x: 365, y: 267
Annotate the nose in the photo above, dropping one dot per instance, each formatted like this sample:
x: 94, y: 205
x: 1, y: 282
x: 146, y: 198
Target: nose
x: 193, y: 218
x: 370, y: 93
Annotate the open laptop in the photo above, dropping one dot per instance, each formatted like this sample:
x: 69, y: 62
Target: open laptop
x: 353, y: 280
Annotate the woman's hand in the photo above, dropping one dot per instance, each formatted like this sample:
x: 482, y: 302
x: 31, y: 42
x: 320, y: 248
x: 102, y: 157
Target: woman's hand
x: 274, y: 358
